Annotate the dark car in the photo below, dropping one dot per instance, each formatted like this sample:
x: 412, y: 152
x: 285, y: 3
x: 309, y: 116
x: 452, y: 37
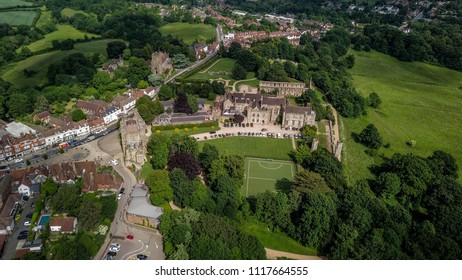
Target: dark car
x: 24, y: 232
x: 142, y: 257
x: 24, y: 236
x: 30, y: 215
x: 112, y: 254
x: 122, y: 190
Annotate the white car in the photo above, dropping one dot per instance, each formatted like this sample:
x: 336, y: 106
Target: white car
x: 18, y: 160
x: 115, y: 247
x: 114, y: 162
x: 27, y: 223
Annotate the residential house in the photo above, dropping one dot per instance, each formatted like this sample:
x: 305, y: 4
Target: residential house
x: 24, y: 186
x: 43, y: 117
x: 105, y: 182
x: 96, y: 125
x: 63, y: 224
x: 111, y: 114
x: 93, y: 107
x: 200, y: 50
x: 17, y: 129
x: 124, y: 103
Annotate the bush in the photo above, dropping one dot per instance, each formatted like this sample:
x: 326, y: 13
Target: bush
x: 211, y: 124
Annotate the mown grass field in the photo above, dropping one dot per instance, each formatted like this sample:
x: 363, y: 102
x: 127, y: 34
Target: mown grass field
x: 247, y: 146
x: 14, y: 3
x: 212, y: 72
x: 18, y: 17
x: 189, y: 33
x: 266, y: 175
x: 64, y: 32
x: 420, y: 102
x: 14, y: 73
x: 274, y: 240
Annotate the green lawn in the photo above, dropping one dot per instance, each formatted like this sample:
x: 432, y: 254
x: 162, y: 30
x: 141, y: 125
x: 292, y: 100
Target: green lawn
x: 253, y: 83
x: 64, y: 32
x: 14, y: 3
x: 14, y: 73
x: 221, y: 65
x: 189, y: 33
x: 18, y: 17
x: 258, y: 147
x: 274, y: 240
x: 267, y: 175
x: 224, y: 64
x: 420, y: 102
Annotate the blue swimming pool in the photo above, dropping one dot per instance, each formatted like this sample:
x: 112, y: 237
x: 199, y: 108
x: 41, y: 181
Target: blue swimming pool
x: 43, y: 220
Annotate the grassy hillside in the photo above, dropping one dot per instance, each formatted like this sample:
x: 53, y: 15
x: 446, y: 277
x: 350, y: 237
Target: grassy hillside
x: 64, y: 32
x: 18, y: 17
x: 41, y: 62
x: 189, y: 32
x: 420, y: 102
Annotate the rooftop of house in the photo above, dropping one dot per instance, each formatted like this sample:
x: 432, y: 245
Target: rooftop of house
x: 140, y: 206
x: 66, y: 223
x: 42, y: 115
x: 17, y: 129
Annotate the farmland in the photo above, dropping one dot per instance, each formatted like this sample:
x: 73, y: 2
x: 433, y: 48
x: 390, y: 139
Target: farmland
x: 189, y: 33
x: 14, y: 3
x: 420, y: 102
x: 18, y: 17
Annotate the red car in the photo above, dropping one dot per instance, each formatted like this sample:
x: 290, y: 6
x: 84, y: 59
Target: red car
x: 130, y: 236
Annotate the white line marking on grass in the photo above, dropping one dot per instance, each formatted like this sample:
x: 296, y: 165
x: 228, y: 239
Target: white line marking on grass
x: 268, y: 179
x: 271, y: 168
x: 248, y: 175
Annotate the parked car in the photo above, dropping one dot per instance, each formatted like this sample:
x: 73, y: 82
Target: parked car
x: 122, y: 190
x: 29, y: 215
x: 114, y: 162
x: 115, y: 247
x: 24, y: 232
x: 142, y: 257
x: 27, y: 223
x: 22, y: 236
x: 111, y: 253
x: 18, y: 160
x: 130, y: 237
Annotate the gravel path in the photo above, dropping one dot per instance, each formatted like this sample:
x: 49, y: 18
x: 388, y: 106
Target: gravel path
x: 274, y: 254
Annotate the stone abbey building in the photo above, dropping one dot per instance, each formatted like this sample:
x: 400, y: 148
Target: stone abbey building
x: 284, y: 88
x: 264, y: 109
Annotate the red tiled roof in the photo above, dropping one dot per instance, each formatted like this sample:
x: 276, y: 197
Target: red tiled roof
x: 66, y: 223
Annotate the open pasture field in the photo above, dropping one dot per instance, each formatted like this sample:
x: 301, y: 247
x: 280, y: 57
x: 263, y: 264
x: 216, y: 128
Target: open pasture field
x: 189, y: 33
x: 420, y: 102
x: 64, y: 32
x: 39, y: 63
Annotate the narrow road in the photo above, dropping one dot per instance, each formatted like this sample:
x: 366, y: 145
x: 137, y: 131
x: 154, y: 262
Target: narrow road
x: 274, y: 255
